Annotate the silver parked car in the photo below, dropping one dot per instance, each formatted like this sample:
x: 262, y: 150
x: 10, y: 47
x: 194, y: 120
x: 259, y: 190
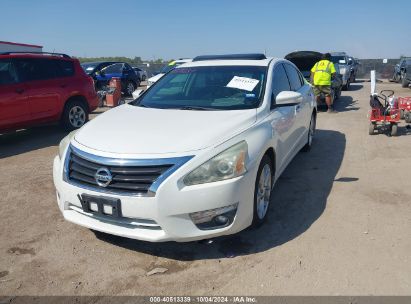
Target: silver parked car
x: 345, y: 64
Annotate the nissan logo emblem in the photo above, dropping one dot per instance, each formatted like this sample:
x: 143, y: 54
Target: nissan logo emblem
x: 103, y: 177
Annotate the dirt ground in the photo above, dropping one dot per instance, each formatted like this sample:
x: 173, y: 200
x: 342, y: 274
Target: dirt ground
x: 339, y: 224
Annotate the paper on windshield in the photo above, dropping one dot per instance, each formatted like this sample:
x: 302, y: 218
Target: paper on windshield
x: 242, y: 83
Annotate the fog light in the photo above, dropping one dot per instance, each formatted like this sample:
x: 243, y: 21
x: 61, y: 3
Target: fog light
x: 214, y: 218
x: 221, y: 220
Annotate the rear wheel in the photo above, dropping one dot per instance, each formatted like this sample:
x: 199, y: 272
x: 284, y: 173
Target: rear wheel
x: 404, y: 82
x: 407, y: 116
x: 371, y: 128
x: 394, y: 129
x: 262, y: 192
x: 75, y: 115
x: 311, y: 132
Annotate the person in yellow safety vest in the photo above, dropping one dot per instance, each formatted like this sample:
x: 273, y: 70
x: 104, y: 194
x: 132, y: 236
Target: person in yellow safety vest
x: 321, y: 74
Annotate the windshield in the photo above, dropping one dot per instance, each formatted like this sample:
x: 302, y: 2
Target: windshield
x: 89, y: 67
x: 336, y: 59
x: 207, y: 88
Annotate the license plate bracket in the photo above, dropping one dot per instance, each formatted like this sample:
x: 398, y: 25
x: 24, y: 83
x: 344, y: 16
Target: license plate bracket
x: 102, y: 203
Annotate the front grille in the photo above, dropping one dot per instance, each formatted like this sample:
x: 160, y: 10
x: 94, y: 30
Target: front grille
x: 127, y: 179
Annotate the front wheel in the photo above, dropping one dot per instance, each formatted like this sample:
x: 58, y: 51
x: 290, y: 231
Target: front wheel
x: 407, y: 116
x: 130, y: 88
x: 262, y: 192
x: 75, y: 115
x: 347, y: 86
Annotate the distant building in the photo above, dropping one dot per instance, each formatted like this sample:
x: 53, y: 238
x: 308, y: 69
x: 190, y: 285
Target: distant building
x: 19, y: 47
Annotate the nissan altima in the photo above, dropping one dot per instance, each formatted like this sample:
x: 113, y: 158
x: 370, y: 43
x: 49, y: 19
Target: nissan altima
x: 193, y: 157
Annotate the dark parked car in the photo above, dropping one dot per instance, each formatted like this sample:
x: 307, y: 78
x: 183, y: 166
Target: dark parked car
x: 305, y: 60
x: 400, y: 68
x: 42, y: 88
x: 102, y: 72
x: 406, y: 73
x: 141, y: 73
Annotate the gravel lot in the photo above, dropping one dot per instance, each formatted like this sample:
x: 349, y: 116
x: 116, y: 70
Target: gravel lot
x: 339, y: 224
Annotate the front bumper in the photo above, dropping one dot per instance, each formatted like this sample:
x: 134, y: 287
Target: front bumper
x: 165, y: 216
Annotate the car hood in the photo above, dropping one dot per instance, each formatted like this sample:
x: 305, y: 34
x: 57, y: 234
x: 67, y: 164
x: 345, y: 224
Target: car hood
x: 155, y: 78
x: 130, y: 129
x: 304, y: 60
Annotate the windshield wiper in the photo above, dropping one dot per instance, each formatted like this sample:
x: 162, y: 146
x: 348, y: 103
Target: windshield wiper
x: 142, y: 105
x: 195, y: 108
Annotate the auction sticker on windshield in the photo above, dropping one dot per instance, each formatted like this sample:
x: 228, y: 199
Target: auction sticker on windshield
x: 242, y: 83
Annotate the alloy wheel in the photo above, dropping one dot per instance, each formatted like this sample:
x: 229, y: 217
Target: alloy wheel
x: 77, y: 116
x: 264, y: 191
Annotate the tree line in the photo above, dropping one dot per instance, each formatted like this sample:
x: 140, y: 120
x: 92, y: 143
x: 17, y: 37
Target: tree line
x: 131, y: 61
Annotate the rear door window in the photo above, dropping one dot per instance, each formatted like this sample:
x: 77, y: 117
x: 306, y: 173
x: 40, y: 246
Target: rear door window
x: 8, y: 74
x: 30, y: 69
x: 294, y: 77
x: 65, y: 68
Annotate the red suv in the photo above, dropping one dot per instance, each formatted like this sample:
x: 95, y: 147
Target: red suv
x: 38, y: 88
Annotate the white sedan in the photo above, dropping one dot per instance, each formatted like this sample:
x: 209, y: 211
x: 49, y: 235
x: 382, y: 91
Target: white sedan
x: 196, y: 156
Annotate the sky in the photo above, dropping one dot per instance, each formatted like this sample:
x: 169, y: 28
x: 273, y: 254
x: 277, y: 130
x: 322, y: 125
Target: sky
x: 171, y: 29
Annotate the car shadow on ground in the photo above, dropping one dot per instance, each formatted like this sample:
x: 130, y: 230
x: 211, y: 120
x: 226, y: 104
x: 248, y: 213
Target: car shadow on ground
x: 355, y: 86
x: 27, y: 140
x: 298, y: 200
x: 345, y: 104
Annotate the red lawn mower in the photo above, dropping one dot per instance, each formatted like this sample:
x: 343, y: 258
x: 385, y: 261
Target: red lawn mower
x: 404, y: 105
x: 384, y: 114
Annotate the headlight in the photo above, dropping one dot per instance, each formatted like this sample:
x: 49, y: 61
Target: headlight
x: 65, y: 142
x: 228, y: 164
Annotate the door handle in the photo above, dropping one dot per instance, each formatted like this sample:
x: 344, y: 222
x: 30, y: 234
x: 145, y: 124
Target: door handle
x: 19, y: 90
x: 298, y: 108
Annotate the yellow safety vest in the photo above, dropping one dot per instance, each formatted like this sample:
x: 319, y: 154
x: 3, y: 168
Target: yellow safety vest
x: 323, y: 70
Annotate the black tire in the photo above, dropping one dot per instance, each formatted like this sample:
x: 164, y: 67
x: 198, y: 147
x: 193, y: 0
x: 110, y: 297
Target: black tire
x: 264, y: 165
x: 337, y: 94
x: 130, y: 88
x: 347, y: 86
x: 371, y: 128
x: 404, y: 82
x: 407, y: 116
x: 394, y: 129
x: 311, y: 132
x: 75, y: 115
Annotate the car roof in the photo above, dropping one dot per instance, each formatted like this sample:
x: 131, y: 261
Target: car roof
x: 100, y: 62
x: 262, y: 62
x: 339, y: 54
x: 33, y: 55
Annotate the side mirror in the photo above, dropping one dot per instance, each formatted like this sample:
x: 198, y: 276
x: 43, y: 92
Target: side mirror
x: 288, y: 98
